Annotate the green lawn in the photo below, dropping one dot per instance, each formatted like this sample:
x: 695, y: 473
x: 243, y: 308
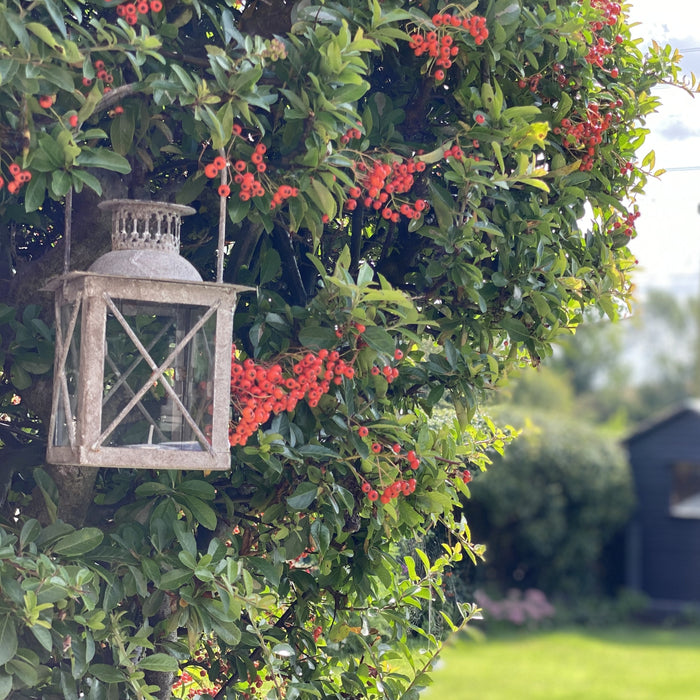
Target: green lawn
x: 617, y: 664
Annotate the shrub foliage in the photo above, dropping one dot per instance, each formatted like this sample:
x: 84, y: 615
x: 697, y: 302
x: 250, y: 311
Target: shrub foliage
x: 403, y: 182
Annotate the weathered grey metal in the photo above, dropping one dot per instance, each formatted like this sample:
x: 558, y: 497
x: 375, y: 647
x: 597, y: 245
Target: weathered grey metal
x: 80, y: 430
x: 146, y: 241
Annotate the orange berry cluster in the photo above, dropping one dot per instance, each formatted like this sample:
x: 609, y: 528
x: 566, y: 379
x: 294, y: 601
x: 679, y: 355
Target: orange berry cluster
x: 102, y: 74
x: 19, y: 178
x: 600, y: 48
x: 390, y: 373
x: 439, y: 45
x: 403, y: 486
x: 626, y: 224
x: 611, y: 12
x: 350, y: 134
x: 379, y: 185
x: 258, y: 391
x: 250, y: 186
x: 588, y: 133
x: 130, y: 11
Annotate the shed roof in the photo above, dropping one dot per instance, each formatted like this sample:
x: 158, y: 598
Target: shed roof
x: 661, y: 419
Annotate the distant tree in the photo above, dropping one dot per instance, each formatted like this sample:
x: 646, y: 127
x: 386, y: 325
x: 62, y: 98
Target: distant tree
x: 547, y: 509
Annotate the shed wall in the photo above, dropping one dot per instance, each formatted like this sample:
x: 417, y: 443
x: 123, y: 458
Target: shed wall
x: 668, y: 548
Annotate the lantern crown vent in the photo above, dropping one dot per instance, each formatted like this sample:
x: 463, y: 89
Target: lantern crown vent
x: 146, y: 241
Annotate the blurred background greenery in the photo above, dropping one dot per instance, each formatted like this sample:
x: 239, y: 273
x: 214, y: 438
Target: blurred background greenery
x: 559, y: 621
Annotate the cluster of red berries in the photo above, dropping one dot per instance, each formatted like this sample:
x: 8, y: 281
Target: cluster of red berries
x: 475, y: 25
x: 441, y: 49
x: 439, y: 45
x: 349, y: 135
x: 398, y: 487
x: 390, y: 373
x: 600, y: 48
x: 19, y: 178
x: 379, y: 185
x: 626, y: 224
x: 196, y: 690
x: 597, y: 52
x: 102, y: 74
x: 611, y: 12
x: 258, y: 391
x: 249, y: 185
x: 394, y: 490
x: 130, y: 11
x: 627, y: 168
x: 587, y: 134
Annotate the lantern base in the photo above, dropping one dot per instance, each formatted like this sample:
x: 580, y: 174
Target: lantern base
x: 159, y: 457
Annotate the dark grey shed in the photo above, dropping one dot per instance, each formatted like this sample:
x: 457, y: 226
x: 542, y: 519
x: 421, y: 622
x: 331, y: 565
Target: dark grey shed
x: 663, y: 539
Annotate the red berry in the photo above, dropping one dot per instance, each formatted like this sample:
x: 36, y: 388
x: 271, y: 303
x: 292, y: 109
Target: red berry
x: 376, y: 448
x: 363, y: 431
x: 398, y: 354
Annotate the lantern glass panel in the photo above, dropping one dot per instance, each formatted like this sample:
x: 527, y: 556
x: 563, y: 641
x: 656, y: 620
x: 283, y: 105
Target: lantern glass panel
x: 158, y: 369
x: 68, y: 344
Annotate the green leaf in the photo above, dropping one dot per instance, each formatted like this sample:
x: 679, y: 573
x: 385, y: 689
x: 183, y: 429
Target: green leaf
x: 43, y: 32
x: 317, y: 451
x: 30, y: 531
x: 174, y: 579
x: 324, y: 199
x: 79, y: 542
x: 80, y: 177
x: 197, y: 488
x: 35, y: 193
x: 103, y: 158
x: 271, y: 572
x: 517, y: 330
x: 43, y: 636
x: 107, y: 673
x: 5, y: 685
x: 61, y: 182
x: 378, y: 339
x: 303, y: 496
x: 314, y: 337
x: 8, y: 639
x: 121, y: 132
x: 20, y: 378
x: 158, y: 662
x: 201, y: 512
x: 56, y: 14
x: 192, y: 189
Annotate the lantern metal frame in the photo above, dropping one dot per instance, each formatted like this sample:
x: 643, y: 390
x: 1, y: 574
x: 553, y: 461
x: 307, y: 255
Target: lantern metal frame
x: 81, y: 431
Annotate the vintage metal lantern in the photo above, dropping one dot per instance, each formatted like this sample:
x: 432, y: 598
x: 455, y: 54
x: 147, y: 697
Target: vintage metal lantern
x: 143, y: 352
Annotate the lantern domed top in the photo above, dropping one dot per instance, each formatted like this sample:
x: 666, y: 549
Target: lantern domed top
x: 146, y: 241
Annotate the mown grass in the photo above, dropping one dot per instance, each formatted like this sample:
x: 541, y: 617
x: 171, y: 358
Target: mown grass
x: 622, y: 663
